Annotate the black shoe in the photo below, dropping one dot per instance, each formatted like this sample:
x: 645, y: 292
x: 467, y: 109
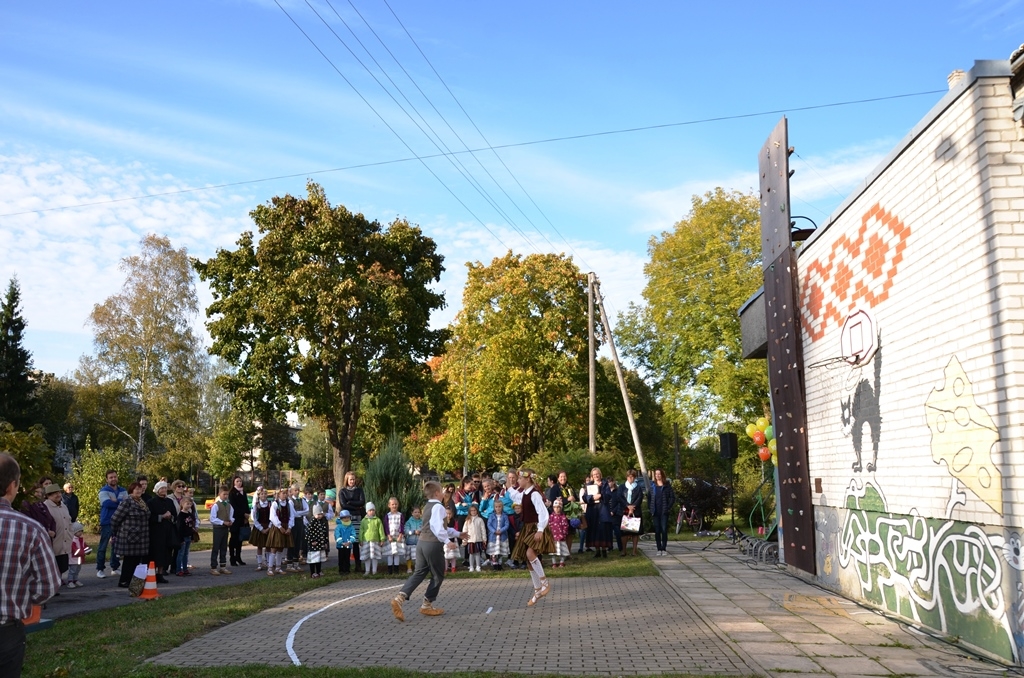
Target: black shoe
x: 241, y: 563
x: 122, y: 585
x: 597, y: 553
x: 162, y: 580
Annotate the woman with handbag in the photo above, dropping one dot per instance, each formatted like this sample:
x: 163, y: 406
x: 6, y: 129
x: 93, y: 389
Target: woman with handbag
x: 130, y: 528
x: 663, y: 498
x: 632, y: 496
x: 239, y: 531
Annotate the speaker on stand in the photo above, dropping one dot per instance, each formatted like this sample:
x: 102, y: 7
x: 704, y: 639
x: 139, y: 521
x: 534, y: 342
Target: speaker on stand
x: 728, y: 445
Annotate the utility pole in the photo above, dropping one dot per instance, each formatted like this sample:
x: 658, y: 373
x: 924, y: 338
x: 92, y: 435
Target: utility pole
x: 593, y: 364
x: 622, y: 384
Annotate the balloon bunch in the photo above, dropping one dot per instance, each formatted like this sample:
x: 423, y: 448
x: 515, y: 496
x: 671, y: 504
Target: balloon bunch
x: 763, y: 435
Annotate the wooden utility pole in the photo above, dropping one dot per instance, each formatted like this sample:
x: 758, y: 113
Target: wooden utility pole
x: 593, y: 364
x: 622, y: 383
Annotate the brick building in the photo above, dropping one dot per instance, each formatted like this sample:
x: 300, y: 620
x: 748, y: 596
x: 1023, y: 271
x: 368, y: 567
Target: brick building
x: 911, y: 303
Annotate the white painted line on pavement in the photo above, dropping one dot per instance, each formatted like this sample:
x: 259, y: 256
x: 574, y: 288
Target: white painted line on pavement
x: 291, y: 634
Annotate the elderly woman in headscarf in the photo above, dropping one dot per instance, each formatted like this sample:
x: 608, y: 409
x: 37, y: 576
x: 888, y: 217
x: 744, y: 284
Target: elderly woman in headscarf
x: 163, y: 533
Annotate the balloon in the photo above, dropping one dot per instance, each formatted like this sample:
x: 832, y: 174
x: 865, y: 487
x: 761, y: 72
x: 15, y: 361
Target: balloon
x: 762, y: 423
x: 758, y: 438
x: 769, y: 432
x: 764, y: 453
x: 775, y: 459
x: 773, y: 445
x: 751, y: 430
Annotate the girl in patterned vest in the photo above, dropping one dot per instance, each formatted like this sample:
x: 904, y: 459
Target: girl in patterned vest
x: 534, y: 540
x: 279, y: 538
x: 260, y: 526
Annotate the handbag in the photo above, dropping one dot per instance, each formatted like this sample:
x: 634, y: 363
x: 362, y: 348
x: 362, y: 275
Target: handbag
x: 195, y: 535
x: 630, y: 524
x: 245, y: 532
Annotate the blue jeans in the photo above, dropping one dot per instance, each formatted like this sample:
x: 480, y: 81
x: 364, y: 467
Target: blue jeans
x: 182, y: 561
x: 101, y: 551
x: 661, y: 531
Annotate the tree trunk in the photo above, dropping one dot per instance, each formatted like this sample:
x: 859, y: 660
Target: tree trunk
x: 341, y: 431
x: 142, y: 437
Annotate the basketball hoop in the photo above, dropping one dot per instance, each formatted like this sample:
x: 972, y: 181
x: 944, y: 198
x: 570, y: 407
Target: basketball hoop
x: 858, y: 341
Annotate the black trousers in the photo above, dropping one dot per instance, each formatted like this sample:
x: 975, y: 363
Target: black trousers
x: 235, y: 542
x: 429, y: 560
x: 12, y: 649
x: 62, y: 565
x: 343, y: 559
x: 298, y: 541
x: 220, y: 546
x: 128, y: 565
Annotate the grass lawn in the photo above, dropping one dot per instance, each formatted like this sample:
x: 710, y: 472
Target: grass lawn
x: 116, y: 642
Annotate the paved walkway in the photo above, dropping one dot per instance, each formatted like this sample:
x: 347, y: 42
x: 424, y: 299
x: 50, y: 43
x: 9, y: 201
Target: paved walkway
x: 103, y: 594
x: 708, y: 614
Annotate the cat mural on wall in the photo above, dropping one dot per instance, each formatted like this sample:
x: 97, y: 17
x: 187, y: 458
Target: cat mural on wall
x: 861, y: 408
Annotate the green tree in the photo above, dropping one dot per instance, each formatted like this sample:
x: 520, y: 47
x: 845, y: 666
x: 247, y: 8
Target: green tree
x: 30, y: 450
x: 613, y: 432
x: 16, y: 384
x: 326, y: 308
x: 526, y: 390
x: 687, y: 334
x: 230, y: 439
x: 144, y: 339
x: 313, y: 446
x: 90, y: 474
x: 389, y: 474
x: 102, y: 410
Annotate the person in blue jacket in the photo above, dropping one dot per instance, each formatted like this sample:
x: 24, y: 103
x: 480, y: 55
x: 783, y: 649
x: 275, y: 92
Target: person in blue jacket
x: 345, y: 536
x: 111, y: 495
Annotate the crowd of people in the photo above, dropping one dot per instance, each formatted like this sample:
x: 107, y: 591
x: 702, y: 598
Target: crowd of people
x: 487, y: 521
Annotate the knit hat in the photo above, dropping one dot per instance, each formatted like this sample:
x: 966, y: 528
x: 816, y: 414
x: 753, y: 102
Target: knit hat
x: 344, y: 514
x: 557, y: 502
x: 318, y: 510
x: 370, y: 507
x: 162, y: 485
x: 77, y: 527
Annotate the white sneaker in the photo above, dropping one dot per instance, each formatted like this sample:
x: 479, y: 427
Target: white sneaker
x: 100, y: 574
x: 117, y: 572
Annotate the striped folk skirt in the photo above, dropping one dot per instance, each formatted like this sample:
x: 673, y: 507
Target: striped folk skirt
x: 526, y: 540
x: 276, y: 539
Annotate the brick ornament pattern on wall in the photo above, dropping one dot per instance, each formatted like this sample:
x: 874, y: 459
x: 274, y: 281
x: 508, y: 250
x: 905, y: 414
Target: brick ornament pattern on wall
x: 857, y: 271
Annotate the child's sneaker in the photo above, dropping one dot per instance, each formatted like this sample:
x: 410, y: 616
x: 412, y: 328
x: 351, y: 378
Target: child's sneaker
x: 270, y: 572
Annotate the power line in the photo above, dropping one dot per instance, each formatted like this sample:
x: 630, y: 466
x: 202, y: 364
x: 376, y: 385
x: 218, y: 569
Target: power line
x: 386, y: 124
x: 466, y: 113
x: 446, y: 152
x: 480, y: 132
x: 534, y: 142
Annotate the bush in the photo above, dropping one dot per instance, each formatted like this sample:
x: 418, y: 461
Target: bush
x: 746, y: 498
x: 708, y: 499
x: 389, y: 474
x: 30, y: 450
x: 320, y: 478
x: 578, y: 463
x: 90, y: 474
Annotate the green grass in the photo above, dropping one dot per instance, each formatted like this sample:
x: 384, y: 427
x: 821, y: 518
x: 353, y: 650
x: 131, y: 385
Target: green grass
x: 116, y: 642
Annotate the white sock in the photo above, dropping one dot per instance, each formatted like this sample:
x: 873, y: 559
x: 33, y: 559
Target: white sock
x: 373, y: 565
x: 552, y: 561
x: 533, y: 576
x: 537, y: 570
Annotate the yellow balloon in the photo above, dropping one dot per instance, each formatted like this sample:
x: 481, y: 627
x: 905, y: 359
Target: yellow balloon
x: 751, y: 430
x: 775, y: 459
x: 773, y: 446
x: 762, y: 423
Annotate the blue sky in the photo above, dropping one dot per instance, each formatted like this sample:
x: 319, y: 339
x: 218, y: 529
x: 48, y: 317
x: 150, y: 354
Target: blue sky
x: 109, y: 100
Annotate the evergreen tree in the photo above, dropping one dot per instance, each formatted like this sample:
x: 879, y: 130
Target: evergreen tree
x: 16, y: 388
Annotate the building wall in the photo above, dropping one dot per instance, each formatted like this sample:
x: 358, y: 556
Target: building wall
x: 917, y: 455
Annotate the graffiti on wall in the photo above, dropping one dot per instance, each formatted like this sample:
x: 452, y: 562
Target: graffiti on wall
x: 860, y: 408
x: 858, y: 270
x: 963, y: 434
x: 944, y: 574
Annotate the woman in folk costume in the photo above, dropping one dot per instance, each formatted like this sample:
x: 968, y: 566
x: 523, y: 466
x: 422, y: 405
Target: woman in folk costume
x: 279, y: 539
x: 260, y: 526
x: 534, y: 540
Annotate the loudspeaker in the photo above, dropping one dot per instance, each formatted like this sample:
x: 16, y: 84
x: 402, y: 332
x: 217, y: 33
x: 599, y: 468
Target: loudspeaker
x: 728, y: 446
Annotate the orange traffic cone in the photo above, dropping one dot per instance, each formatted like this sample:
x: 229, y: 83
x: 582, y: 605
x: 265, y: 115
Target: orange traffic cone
x: 149, y: 592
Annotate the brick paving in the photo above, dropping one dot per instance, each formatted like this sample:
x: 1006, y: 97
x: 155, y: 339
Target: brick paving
x: 594, y: 626
x: 710, y: 613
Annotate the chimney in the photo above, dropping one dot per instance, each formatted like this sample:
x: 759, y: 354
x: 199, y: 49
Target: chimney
x: 955, y: 77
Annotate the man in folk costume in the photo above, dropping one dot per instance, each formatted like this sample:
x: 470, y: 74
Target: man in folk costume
x: 535, y: 538
x: 429, y: 555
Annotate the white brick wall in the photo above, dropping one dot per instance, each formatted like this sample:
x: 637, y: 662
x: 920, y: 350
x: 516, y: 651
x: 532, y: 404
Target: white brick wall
x: 958, y: 291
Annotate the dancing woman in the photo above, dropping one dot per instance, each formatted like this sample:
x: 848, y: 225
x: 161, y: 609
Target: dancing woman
x: 535, y: 538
